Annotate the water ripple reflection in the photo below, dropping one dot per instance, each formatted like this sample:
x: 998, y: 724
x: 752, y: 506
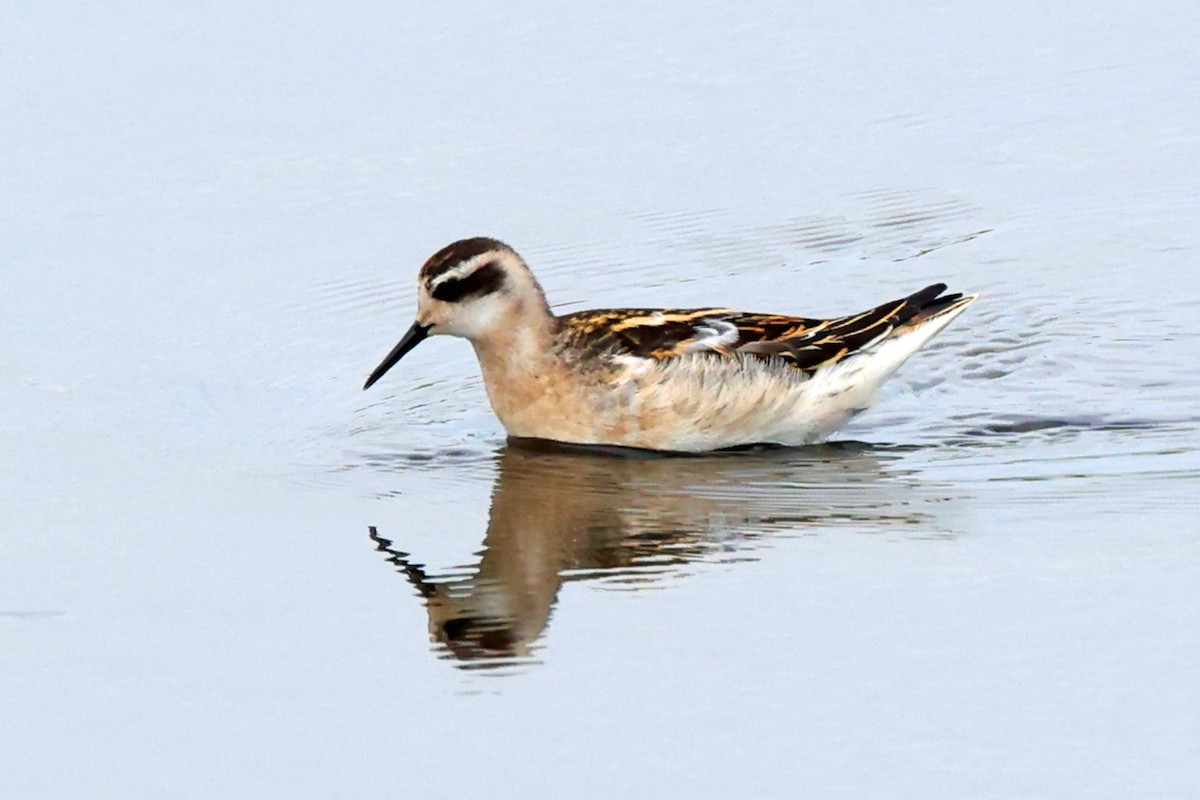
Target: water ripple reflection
x: 627, y: 520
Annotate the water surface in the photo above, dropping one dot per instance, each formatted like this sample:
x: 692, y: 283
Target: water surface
x: 226, y: 571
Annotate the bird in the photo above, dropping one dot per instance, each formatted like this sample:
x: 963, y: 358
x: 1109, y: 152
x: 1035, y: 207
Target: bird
x: 676, y: 380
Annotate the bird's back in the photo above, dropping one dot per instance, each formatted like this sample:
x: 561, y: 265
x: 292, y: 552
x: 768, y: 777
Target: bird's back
x: 803, y: 343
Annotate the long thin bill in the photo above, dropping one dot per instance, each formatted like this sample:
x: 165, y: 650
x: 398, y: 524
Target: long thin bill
x: 415, y: 335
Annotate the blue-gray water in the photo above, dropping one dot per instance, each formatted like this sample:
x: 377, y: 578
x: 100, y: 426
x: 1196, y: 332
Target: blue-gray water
x: 211, y: 223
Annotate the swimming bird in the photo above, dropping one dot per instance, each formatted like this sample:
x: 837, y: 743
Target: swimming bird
x: 661, y: 379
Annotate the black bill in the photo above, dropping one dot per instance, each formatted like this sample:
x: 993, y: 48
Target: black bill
x: 411, y: 339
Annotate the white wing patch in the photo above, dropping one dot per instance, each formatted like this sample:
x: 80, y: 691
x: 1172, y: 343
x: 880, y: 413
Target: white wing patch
x: 712, y: 334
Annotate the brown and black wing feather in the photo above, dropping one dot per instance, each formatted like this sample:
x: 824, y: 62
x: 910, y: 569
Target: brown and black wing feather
x: 804, y: 343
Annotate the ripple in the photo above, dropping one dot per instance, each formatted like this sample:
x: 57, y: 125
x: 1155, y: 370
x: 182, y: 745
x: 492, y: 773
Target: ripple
x: 33, y: 614
x: 1017, y: 424
x: 890, y: 225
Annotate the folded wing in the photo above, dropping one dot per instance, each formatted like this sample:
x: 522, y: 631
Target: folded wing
x: 804, y: 343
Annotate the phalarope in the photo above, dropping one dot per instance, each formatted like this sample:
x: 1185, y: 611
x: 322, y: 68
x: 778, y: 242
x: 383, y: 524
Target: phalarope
x: 679, y: 380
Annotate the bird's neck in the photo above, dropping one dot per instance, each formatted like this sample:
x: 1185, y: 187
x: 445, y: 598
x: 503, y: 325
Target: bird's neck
x: 518, y: 345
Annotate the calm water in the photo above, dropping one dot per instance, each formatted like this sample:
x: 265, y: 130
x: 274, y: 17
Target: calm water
x: 225, y: 571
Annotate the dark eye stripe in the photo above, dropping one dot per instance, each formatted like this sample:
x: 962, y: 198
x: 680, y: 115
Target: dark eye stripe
x: 484, y: 280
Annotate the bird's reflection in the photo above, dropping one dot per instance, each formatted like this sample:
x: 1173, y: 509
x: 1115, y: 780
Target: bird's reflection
x: 629, y: 518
